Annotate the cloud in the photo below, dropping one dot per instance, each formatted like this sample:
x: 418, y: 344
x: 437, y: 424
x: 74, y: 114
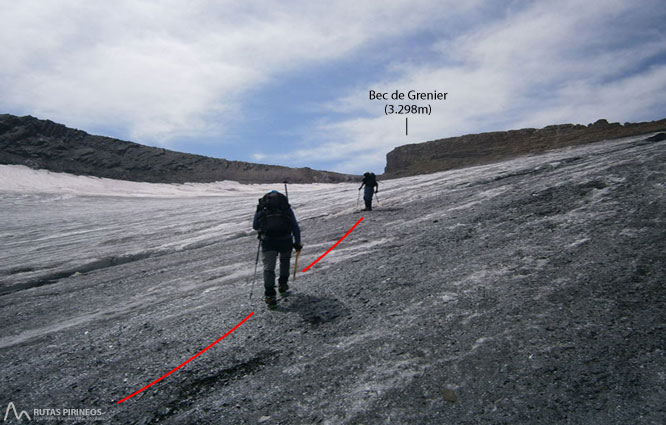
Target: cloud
x: 550, y: 62
x: 166, y: 72
x: 158, y: 70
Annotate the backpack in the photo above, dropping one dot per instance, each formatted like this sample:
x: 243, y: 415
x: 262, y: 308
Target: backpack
x: 370, y: 179
x: 275, y: 219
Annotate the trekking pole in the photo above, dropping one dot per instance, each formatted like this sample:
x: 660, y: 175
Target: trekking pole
x: 256, y: 262
x: 358, y: 198
x: 286, y: 192
x: 293, y: 279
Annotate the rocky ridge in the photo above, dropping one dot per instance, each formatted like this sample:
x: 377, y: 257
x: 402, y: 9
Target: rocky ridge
x: 485, y: 148
x: 43, y: 144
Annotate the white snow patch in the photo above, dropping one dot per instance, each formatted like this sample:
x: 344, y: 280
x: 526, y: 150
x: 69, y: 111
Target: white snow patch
x: 632, y: 232
x: 481, y: 341
x: 471, y: 317
x: 339, y: 253
x: 481, y: 278
x: 448, y: 296
x: 376, y: 381
x: 481, y: 197
x: 578, y: 242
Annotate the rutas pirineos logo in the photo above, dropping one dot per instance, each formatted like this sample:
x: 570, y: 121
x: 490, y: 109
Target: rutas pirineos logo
x: 19, y: 416
x: 57, y: 414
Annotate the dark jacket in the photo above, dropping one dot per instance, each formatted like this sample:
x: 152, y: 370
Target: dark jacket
x: 369, y: 182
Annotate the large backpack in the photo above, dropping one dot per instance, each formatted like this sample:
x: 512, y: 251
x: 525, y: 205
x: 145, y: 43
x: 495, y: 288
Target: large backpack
x: 370, y: 180
x: 275, y: 219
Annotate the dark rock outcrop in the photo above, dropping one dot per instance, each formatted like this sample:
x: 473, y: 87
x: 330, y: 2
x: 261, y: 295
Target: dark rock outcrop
x: 47, y: 145
x: 484, y: 148
x: 657, y: 137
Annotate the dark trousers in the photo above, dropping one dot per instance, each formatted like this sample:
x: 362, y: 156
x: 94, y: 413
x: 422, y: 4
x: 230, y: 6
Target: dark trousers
x: 367, y: 197
x: 271, y: 250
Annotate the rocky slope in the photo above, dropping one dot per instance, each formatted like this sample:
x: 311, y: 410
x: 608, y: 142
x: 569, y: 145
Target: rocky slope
x: 44, y: 144
x: 485, y: 148
x: 528, y: 291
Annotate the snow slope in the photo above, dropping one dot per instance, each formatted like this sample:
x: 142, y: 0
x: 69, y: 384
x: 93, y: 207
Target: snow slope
x: 528, y: 291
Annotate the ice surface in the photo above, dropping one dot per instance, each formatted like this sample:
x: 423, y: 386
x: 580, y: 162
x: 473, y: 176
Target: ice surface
x: 54, y: 224
x: 506, y: 282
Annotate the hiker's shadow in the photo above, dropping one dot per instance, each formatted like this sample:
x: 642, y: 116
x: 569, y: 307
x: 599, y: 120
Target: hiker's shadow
x: 314, y: 310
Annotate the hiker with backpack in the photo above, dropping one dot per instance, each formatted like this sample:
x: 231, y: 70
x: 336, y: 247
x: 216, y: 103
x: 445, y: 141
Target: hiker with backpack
x: 276, y: 223
x: 371, y: 187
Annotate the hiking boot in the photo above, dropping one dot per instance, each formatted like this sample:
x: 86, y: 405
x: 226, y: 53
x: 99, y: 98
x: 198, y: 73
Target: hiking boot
x: 282, y: 285
x: 271, y: 302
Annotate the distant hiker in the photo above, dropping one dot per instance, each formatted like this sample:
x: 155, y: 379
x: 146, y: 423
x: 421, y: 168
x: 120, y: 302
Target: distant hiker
x: 371, y: 187
x: 276, y: 223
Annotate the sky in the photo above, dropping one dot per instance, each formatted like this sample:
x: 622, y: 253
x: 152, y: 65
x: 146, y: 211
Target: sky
x: 288, y: 82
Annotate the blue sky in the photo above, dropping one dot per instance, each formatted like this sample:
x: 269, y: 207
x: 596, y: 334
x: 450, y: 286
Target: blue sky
x: 287, y: 82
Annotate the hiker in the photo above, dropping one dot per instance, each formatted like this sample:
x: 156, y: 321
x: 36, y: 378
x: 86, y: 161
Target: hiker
x: 371, y: 186
x: 276, y: 223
